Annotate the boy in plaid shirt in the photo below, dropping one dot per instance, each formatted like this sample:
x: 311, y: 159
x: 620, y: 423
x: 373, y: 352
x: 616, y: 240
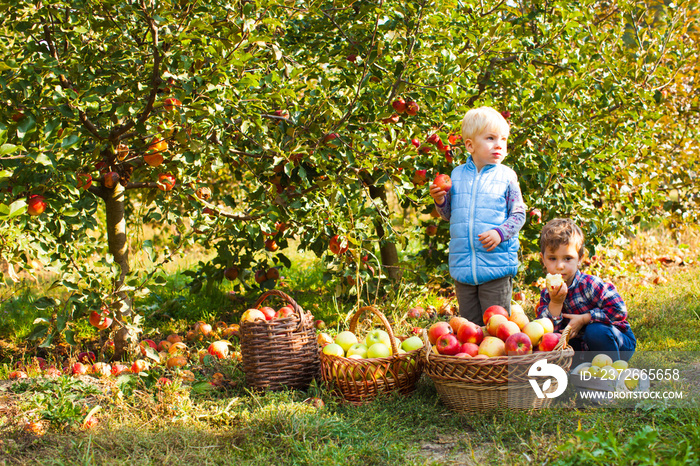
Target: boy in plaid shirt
x: 589, y: 306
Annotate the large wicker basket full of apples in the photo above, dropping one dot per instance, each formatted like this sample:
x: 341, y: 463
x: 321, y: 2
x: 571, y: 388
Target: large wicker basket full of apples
x: 278, y: 349
x: 476, y: 368
x: 382, y: 364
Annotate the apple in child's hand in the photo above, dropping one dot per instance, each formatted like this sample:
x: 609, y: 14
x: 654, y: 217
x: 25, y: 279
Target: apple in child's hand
x: 469, y: 332
x: 443, y: 182
x: 549, y: 341
x: 448, y: 344
x: 518, y: 343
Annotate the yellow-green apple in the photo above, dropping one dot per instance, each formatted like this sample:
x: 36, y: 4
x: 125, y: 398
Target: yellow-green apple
x: 520, y: 319
x: 506, y: 329
x: 358, y: 349
x: 268, y: 312
x: 608, y: 373
x: 620, y: 365
x: 594, y: 371
x: 251, y: 315
x: 469, y: 332
x: 546, y: 324
x: 443, y: 182
x: 334, y: 349
x: 601, y: 360
x: 492, y: 347
x: 36, y: 205
x: 549, y: 341
x: 534, y: 330
x: 472, y: 349
x: 494, y: 310
x: 516, y: 308
x: 412, y: 343
x: 631, y: 383
x: 456, y: 322
x: 324, y: 339
x: 319, y: 324
x: 231, y: 273
x: 219, y: 349
x: 517, y: 344
x: 338, y: 245
x: 284, y: 311
x: 377, y: 335
x: 494, y: 322
x: 448, y: 344
x: 378, y: 350
x: 438, y: 329
x: 346, y: 339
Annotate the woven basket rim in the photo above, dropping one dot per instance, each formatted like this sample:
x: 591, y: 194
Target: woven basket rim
x: 303, y: 317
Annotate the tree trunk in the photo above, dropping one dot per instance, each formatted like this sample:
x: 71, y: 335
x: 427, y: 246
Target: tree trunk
x: 388, y: 251
x: 126, y: 337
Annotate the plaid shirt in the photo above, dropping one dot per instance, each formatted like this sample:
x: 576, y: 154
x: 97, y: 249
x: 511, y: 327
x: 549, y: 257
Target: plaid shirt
x: 592, y: 295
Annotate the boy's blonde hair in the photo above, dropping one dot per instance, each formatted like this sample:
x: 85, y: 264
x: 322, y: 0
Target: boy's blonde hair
x: 479, y: 120
x: 561, y: 231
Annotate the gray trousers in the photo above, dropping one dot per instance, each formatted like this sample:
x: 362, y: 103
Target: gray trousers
x: 473, y: 300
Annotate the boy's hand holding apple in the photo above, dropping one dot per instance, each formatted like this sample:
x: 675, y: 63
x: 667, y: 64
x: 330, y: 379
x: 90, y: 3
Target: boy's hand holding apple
x: 437, y: 193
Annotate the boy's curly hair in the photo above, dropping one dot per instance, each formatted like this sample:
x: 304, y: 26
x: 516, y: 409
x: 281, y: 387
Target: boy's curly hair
x: 561, y: 231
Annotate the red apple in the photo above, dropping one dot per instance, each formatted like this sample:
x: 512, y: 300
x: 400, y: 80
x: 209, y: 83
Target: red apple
x: 469, y: 332
x: 492, y: 310
x: 506, y: 329
x: 517, y: 344
x: 110, y: 180
x: 431, y: 230
x: 36, y: 204
x: 329, y: 137
x: 492, y: 347
x: 260, y: 276
x: 170, y: 103
x: 392, y: 119
x: 84, y: 180
x: 100, y: 320
x: 79, y: 369
x: 118, y: 369
x: 338, y: 245
x: 319, y: 324
x: 271, y: 245
x: 19, y: 374
x: 268, y: 312
x: 412, y: 107
x: 443, y: 182
x: 166, y: 181
x: 284, y: 311
x: 231, y: 273
x: 433, y: 138
x: 549, y: 341
x: 472, y: 349
x: 86, y: 357
x: 518, y: 296
x: 447, y: 344
x: 494, y: 322
x: 415, y: 312
x: 352, y: 57
x: 437, y: 330
x: 219, y: 349
x: 139, y: 366
x: 456, y: 322
x: 273, y: 273
x: 419, y: 177
x: 505, y: 114
x: 399, y: 105
x: 535, y: 216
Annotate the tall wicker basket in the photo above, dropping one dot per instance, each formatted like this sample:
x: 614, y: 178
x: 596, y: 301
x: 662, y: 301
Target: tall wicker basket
x: 280, y: 353
x: 469, y: 385
x: 359, y: 381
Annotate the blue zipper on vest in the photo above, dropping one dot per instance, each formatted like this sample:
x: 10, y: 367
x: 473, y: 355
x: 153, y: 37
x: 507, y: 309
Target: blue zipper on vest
x: 472, y: 208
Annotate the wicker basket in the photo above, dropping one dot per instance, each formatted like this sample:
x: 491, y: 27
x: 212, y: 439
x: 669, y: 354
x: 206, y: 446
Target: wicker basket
x: 280, y: 353
x: 469, y: 385
x: 359, y: 381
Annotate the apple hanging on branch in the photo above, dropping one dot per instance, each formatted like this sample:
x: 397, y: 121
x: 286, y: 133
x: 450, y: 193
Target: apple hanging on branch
x: 36, y: 205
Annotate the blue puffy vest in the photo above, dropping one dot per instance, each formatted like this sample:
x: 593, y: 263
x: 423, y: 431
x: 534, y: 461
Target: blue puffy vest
x: 478, y: 204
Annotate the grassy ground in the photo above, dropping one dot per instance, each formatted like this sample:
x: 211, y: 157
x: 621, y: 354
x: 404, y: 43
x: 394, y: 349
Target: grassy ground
x: 141, y: 422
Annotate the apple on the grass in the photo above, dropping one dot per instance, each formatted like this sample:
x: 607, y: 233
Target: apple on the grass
x: 549, y: 341
x: 443, y: 182
x: 506, y: 329
x: 469, y: 332
x: 284, y: 311
x: 494, y: 310
x: 174, y: 361
x: 535, y: 331
x: 416, y: 312
x: 448, y: 344
x: 100, y: 320
x: 86, y: 357
x: 492, y: 347
x: 268, y: 312
x: 494, y: 322
x: 79, y: 369
x: 101, y: 369
x: 219, y: 349
x: 251, y: 315
x: 517, y: 344
x: 438, y: 329
x: 118, y: 369
x: 472, y: 349
x: 36, y: 205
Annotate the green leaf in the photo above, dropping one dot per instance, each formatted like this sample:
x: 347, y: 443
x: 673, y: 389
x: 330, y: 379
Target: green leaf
x: 4, y: 150
x: 38, y: 332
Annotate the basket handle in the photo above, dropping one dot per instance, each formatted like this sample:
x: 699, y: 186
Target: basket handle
x: 303, y: 317
x: 382, y: 318
x: 564, y: 340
